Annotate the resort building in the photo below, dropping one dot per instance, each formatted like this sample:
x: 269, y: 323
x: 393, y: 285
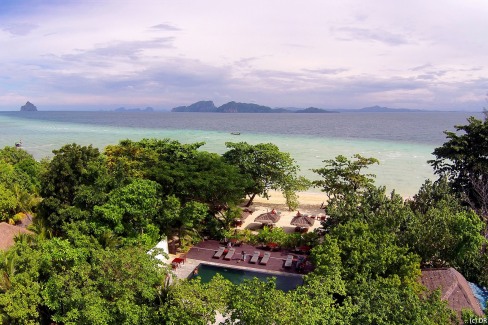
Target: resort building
x: 8, y: 233
x: 454, y: 289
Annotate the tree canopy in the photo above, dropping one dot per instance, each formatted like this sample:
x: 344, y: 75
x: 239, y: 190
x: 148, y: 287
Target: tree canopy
x: 267, y: 167
x: 463, y: 159
x: 101, y: 212
x: 341, y: 176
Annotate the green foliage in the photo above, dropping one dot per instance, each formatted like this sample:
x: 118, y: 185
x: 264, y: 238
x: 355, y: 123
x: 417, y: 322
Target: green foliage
x: 463, y: 159
x: 258, y: 302
x: 186, y: 220
x: 443, y: 237
x: 291, y: 188
x: 180, y: 169
x: 130, y: 211
x: 8, y: 203
x: 133, y: 159
x: 444, y: 233
x: 341, y: 176
x: 267, y: 167
x: 366, y: 254
x: 109, y: 209
x: 24, y: 164
x: 205, y: 178
x: 80, y: 283
x: 193, y: 302
x: 19, y: 183
x: 72, y: 165
x: 433, y: 194
x: 372, y: 206
x: 272, y: 235
x: 386, y: 301
x: 72, y: 170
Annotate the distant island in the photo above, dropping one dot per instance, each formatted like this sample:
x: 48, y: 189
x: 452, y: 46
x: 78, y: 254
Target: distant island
x: 28, y: 107
x: 386, y: 109
x: 314, y: 110
x: 234, y: 107
x: 123, y: 109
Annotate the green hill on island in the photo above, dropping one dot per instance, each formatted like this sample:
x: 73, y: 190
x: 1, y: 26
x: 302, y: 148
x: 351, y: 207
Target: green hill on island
x: 235, y: 107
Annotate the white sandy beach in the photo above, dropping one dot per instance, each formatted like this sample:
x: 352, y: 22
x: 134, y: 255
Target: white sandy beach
x: 310, y: 203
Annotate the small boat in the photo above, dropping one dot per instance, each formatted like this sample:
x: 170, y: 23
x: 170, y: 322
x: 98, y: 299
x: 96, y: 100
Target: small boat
x: 18, y: 144
x: 235, y: 133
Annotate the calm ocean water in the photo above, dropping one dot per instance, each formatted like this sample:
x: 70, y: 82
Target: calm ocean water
x: 403, y: 142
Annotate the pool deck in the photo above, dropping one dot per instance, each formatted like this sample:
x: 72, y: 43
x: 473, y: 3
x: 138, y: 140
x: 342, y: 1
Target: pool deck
x: 204, y: 251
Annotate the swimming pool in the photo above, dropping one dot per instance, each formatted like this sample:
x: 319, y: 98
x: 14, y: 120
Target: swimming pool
x: 283, y: 282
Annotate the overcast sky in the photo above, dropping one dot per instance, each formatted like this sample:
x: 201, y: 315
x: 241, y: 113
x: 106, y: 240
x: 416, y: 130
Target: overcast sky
x: 101, y: 54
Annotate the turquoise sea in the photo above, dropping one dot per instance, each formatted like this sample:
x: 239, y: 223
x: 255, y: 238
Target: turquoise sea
x: 403, y: 142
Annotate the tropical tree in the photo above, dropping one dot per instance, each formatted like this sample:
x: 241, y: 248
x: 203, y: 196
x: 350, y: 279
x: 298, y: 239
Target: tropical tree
x: 341, y: 176
x: 180, y: 169
x: 72, y: 165
x: 131, y: 211
x: 19, y: 183
x: 204, y: 178
x: 443, y: 237
x: 267, y: 167
x: 463, y: 159
x: 194, y: 302
x: 76, y: 281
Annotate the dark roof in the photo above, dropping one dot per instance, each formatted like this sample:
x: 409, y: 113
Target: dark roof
x: 8, y: 233
x: 454, y: 289
x: 302, y: 221
x: 268, y: 217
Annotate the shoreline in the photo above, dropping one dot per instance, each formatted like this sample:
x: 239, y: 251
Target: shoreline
x: 308, y: 201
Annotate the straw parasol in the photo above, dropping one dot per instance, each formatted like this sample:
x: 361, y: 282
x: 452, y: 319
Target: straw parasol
x: 268, y: 217
x: 244, y: 215
x: 302, y: 221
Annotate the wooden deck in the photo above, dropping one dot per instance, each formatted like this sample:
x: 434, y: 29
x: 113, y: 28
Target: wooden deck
x: 205, y: 250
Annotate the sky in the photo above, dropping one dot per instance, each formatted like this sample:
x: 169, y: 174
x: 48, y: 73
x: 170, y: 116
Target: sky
x: 103, y: 54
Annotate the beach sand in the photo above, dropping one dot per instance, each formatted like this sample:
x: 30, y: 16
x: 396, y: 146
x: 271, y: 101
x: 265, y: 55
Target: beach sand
x: 310, y: 204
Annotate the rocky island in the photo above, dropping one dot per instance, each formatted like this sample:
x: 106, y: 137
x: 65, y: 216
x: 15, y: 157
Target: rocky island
x: 234, y: 107
x: 28, y: 107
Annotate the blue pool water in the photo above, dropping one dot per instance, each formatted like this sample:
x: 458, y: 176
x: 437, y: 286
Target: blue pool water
x: 283, y: 282
x: 480, y: 293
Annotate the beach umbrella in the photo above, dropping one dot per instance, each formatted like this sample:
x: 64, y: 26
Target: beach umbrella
x: 268, y: 217
x: 302, y: 221
x: 244, y: 215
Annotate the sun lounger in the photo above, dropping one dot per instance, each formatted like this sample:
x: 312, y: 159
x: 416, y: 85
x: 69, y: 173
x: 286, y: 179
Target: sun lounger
x: 229, y: 254
x: 218, y: 254
x: 255, y: 257
x: 265, y: 258
x: 289, y: 260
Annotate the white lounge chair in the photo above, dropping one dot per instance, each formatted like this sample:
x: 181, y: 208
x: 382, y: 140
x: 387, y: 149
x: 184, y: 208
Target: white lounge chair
x: 218, y: 254
x: 289, y: 261
x: 265, y: 258
x: 255, y: 257
x: 229, y: 254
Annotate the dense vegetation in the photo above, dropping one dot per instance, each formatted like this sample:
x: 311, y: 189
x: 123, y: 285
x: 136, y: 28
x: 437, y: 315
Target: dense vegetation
x: 97, y: 215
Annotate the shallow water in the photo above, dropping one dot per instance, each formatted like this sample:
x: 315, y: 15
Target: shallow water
x: 402, y: 142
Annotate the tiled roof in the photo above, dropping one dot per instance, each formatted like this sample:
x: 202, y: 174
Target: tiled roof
x: 8, y: 233
x: 454, y: 288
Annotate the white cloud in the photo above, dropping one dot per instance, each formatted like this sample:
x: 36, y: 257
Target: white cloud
x: 279, y: 52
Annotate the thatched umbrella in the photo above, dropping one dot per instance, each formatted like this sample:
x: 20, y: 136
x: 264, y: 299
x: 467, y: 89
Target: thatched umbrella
x: 244, y: 215
x: 268, y: 217
x: 302, y: 221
